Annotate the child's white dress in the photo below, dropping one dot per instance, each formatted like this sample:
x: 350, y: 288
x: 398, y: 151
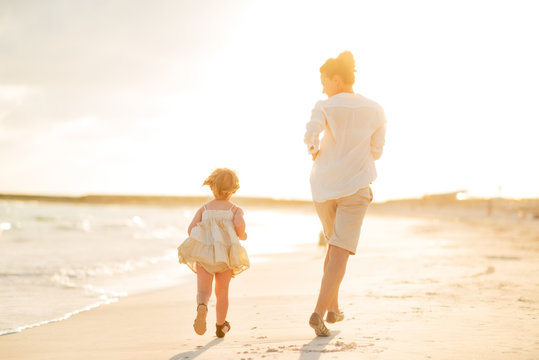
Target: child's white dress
x: 214, y: 244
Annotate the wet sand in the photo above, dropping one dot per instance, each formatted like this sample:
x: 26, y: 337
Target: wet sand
x: 419, y: 288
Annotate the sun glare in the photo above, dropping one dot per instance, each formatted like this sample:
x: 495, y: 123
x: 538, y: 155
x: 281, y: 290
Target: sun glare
x: 240, y: 97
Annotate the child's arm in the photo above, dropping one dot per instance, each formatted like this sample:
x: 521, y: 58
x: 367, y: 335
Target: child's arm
x: 239, y: 224
x: 196, y: 220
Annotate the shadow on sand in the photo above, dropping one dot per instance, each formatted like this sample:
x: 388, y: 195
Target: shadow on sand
x: 194, y: 353
x: 314, y: 349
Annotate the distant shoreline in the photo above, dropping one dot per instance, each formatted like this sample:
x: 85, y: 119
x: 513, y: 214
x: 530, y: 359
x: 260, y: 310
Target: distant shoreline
x: 428, y: 204
x: 161, y: 200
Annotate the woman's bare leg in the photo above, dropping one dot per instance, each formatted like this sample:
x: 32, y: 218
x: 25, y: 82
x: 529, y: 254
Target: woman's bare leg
x: 335, y: 268
x: 334, y: 302
x: 222, y: 282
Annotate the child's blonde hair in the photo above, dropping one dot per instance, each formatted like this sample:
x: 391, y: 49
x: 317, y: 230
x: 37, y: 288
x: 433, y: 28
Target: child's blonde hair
x: 223, y: 182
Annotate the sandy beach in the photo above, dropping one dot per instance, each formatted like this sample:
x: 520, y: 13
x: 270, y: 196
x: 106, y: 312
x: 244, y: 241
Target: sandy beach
x: 131, y: 128
x: 424, y: 288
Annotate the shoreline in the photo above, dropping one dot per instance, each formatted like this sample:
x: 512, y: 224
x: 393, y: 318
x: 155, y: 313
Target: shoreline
x: 152, y: 200
x: 183, y: 277
x: 526, y: 207
x: 22, y: 328
x: 419, y: 289
x: 74, y: 263
x: 22, y: 345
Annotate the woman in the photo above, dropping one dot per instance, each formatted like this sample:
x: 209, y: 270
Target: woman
x: 354, y: 135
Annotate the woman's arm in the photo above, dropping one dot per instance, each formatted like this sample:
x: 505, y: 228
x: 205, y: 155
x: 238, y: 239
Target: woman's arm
x: 314, y: 128
x: 196, y: 220
x: 239, y: 224
x: 378, y: 137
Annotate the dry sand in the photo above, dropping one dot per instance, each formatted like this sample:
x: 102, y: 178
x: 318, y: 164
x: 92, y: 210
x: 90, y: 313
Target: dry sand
x: 421, y: 289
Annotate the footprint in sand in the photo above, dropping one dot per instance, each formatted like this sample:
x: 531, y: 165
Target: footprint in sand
x: 341, y: 346
x: 488, y: 271
x: 503, y: 257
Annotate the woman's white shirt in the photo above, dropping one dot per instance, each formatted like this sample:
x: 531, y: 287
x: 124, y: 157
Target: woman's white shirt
x: 354, y: 134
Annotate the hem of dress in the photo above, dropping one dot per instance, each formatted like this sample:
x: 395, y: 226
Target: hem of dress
x: 190, y: 259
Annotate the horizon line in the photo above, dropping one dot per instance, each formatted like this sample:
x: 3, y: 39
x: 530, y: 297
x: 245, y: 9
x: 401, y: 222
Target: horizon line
x: 173, y: 199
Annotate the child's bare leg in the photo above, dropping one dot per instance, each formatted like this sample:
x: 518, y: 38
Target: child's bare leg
x: 222, y: 281
x: 204, y: 285
x: 333, y: 275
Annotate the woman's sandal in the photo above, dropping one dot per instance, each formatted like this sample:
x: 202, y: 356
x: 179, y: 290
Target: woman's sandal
x: 221, y: 330
x: 200, y: 320
x: 318, y: 325
x: 332, y: 317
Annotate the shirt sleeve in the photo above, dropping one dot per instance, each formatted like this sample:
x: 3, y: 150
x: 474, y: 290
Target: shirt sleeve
x: 314, y: 128
x: 378, y: 138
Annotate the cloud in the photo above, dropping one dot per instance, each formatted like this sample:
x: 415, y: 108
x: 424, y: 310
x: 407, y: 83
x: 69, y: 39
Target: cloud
x: 120, y: 43
x: 63, y: 60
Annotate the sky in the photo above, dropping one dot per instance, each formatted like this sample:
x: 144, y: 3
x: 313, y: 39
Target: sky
x: 140, y: 97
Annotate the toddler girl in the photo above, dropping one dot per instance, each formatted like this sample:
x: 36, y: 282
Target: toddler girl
x: 213, y: 248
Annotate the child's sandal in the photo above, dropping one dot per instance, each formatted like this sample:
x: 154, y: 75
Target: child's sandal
x: 200, y: 320
x: 221, y: 330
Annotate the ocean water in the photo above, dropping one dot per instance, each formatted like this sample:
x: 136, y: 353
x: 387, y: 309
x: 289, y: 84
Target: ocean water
x: 57, y: 259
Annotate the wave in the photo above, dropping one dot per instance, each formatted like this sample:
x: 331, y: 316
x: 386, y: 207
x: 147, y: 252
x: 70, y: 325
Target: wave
x: 42, y: 218
x: 68, y: 276
x: 5, y: 226
x: 25, y: 274
x: 66, y: 316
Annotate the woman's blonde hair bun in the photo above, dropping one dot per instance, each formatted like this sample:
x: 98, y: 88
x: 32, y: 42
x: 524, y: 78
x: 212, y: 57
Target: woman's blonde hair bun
x: 344, y: 66
x: 347, y: 60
